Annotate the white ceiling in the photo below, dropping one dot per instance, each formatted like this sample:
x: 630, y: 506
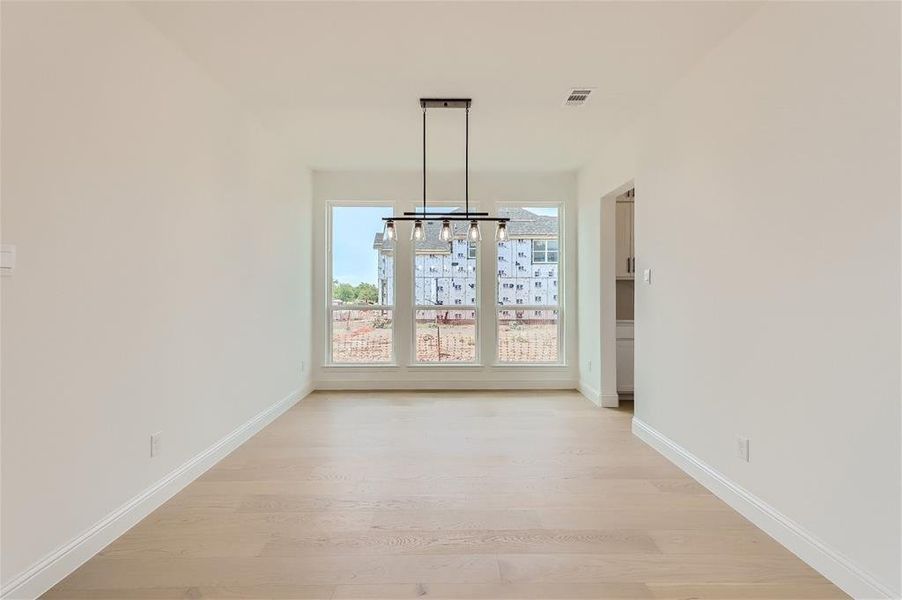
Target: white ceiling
x: 342, y: 80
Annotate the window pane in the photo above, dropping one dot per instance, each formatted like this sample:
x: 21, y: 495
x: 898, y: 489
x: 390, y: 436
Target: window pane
x: 529, y: 256
x: 445, y: 276
x: 446, y: 335
x: 361, y: 336
x: 528, y: 336
x: 362, y: 265
x: 445, y: 272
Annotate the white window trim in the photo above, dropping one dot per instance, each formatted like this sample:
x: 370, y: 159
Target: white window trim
x: 486, y: 307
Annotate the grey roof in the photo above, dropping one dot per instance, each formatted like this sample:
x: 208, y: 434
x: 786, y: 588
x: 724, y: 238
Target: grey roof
x: 523, y: 223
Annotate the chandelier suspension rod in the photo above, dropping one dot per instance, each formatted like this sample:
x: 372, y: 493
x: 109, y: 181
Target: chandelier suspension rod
x: 466, y: 158
x: 424, y: 159
x: 419, y: 233
x: 466, y: 162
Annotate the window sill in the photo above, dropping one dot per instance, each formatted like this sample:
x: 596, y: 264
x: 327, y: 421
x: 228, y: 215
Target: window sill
x: 472, y: 366
x: 492, y: 366
x: 360, y: 366
x: 533, y: 365
x: 446, y: 366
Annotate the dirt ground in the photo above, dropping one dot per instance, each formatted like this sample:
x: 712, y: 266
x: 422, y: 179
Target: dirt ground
x: 369, y: 340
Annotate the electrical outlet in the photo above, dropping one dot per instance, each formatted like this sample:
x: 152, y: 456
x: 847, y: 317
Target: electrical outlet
x: 742, y: 448
x: 155, y: 443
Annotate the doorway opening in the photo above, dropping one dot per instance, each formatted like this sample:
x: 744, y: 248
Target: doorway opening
x: 617, y: 261
x: 625, y: 280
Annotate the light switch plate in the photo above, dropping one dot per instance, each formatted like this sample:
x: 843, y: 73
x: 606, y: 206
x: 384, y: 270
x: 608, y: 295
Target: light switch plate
x: 646, y: 275
x: 7, y: 259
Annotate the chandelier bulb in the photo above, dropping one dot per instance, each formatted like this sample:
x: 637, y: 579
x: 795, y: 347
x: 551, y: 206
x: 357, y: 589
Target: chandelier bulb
x: 446, y: 233
x: 389, y: 233
x: 418, y: 232
x: 473, y: 234
x: 501, y: 232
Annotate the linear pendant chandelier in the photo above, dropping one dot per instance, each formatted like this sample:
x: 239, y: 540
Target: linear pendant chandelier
x: 419, y: 217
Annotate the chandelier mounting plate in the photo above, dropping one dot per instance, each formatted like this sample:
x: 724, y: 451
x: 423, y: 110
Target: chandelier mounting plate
x: 446, y: 102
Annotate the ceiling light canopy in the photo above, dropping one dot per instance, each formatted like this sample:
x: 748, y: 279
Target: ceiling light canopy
x: 418, y: 217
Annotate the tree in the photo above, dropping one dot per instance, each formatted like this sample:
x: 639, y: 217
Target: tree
x: 343, y: 291
x: 367, y: 293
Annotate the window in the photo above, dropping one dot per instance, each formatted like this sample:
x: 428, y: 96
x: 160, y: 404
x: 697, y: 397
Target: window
x: 528, y: 306
x: 361, y: 289
x: 544, y: 251
x: 445, y: 296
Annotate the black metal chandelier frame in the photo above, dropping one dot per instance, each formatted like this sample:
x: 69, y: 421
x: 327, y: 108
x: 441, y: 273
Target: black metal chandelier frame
x: 431, y: 216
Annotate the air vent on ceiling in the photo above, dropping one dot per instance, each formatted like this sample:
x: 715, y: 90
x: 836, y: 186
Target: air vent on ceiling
x: 577, y: 96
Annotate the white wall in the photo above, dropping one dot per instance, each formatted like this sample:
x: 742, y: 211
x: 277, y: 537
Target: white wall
x: 161, y: 281
x: 404, y: 190
x: 767, y: 203
x: 598, y: 185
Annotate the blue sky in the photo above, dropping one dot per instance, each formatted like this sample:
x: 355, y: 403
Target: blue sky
x: 548, y: 212
x: 353, y: 229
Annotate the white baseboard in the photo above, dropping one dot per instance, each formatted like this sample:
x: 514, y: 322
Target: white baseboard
x: 590, y: 393
x: 827, y: 561
x: 610, y: 400
x: 54, y: 567
x: 597, y: 398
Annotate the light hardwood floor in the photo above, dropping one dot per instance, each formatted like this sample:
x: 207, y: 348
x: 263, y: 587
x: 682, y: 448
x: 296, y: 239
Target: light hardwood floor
x: 445, y: 495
